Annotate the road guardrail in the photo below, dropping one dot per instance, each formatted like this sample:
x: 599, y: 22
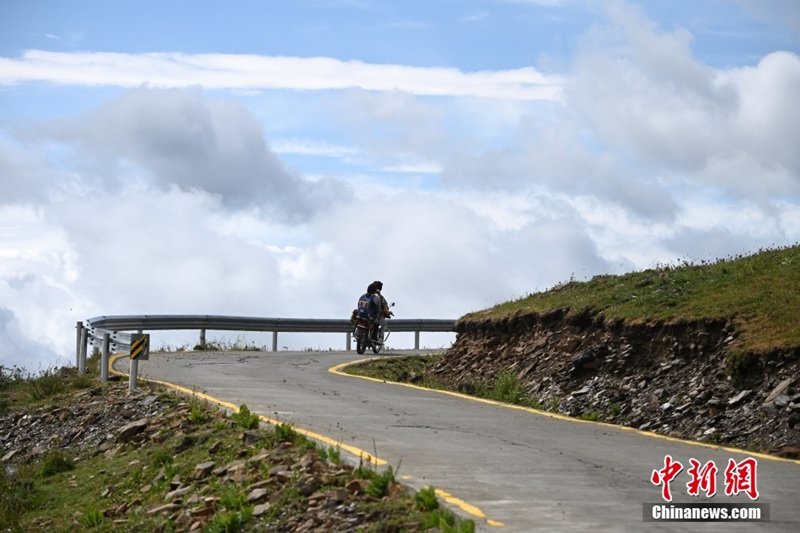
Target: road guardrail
x: 112, y: 332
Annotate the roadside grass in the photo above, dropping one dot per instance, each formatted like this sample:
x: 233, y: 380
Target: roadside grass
x: 240, y: 344
x: 20, y: 388
x: 68, y: 490
x: 505, y: 387
x: 759, y: 292
x: 225, y: 345
x: 412, y: 369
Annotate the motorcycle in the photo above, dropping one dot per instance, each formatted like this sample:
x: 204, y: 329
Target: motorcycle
x: 369, y: 334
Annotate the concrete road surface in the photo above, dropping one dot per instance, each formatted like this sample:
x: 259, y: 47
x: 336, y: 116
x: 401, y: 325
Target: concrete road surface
x: 509, y: 469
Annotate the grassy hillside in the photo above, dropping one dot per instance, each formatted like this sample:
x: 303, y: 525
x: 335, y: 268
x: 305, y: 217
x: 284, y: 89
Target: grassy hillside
x: 760, y: 293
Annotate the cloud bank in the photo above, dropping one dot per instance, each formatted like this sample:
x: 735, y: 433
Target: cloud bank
x: 175, y: 197
x: 253, y: 72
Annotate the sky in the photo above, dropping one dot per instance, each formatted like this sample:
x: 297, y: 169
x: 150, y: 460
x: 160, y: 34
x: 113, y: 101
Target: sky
x: 273, y: 157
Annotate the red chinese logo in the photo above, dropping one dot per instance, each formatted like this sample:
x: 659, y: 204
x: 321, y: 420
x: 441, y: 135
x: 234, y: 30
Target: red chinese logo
x: 704, y: 478
x: 739, y: 477
x: 664, y: 476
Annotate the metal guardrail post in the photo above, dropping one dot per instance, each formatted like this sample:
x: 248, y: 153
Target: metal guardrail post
x: 84, y: 342
x: 79, y: 332
x: 104, y: 359
x: 416, y: 340
x: 275, y: 341
x: 202, y: 337
x: 134, y: 374
x: 347, y: 345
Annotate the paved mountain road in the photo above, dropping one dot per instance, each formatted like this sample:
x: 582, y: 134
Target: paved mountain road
x: 524, y: 470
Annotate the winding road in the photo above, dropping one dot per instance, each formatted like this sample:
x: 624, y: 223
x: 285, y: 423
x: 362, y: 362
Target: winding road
x: 509, y: 469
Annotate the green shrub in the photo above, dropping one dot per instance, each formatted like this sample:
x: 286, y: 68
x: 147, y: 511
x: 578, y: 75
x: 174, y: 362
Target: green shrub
x: 507, y: 387
x: 91, y: 518
x: 444, y: 520
x: 210, y: 347
x: 82, y: 382
x: 245, y: 418
x: 18, y: 494
x: 425, y: 499
x: 162, y: 457
x: 239, y: 512
x: 10, y: 377
x: 285, y: 432
x: 48, y: 384
x: 198, y: 415
x: 380, y: 483
x: 233, y: 500
x: 232, y: 522
x: 55, y: 462
x: 333, y: 455
x: 364, y: 471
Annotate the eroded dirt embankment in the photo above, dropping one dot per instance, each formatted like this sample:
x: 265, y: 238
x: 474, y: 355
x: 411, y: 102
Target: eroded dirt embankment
x: 684, y: 380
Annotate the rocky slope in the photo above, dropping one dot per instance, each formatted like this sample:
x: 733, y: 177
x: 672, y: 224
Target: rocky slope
x: 682, y: 380
x: 291, y: 487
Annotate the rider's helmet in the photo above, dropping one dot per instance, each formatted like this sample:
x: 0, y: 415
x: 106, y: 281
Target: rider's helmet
x: 378, y: 285
x: 371, y: 288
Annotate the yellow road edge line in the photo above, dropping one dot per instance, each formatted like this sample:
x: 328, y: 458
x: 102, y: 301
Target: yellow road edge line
x: 337, y: 369
x: 466, y: 507
x: 357, y: 452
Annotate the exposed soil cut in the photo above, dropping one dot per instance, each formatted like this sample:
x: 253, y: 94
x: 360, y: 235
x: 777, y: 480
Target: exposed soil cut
x: 684, y: 380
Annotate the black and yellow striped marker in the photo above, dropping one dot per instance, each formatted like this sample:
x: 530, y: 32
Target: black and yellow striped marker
x: 140, y: 346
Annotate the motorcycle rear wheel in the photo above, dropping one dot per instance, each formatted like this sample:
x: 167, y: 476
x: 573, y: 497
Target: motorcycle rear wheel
x: 361, y: 344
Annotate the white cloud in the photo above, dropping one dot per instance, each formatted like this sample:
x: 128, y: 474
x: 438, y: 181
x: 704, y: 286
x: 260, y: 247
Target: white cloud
x: 25, y: 174
x: 476, y: 17
x: 398, y: 127
x: 672, y: 114
x: 312, y: 147
x: 20, y: 347
x: 766, y: 126
x: 174, y: 201
x: 247, y: 72
x: 179, y: 138
x: 38, y: 269
x: 414, y: 168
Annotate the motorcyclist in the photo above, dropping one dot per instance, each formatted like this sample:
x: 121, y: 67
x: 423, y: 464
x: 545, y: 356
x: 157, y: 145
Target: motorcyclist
x: 369, y: 305
x: 383, y: 311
